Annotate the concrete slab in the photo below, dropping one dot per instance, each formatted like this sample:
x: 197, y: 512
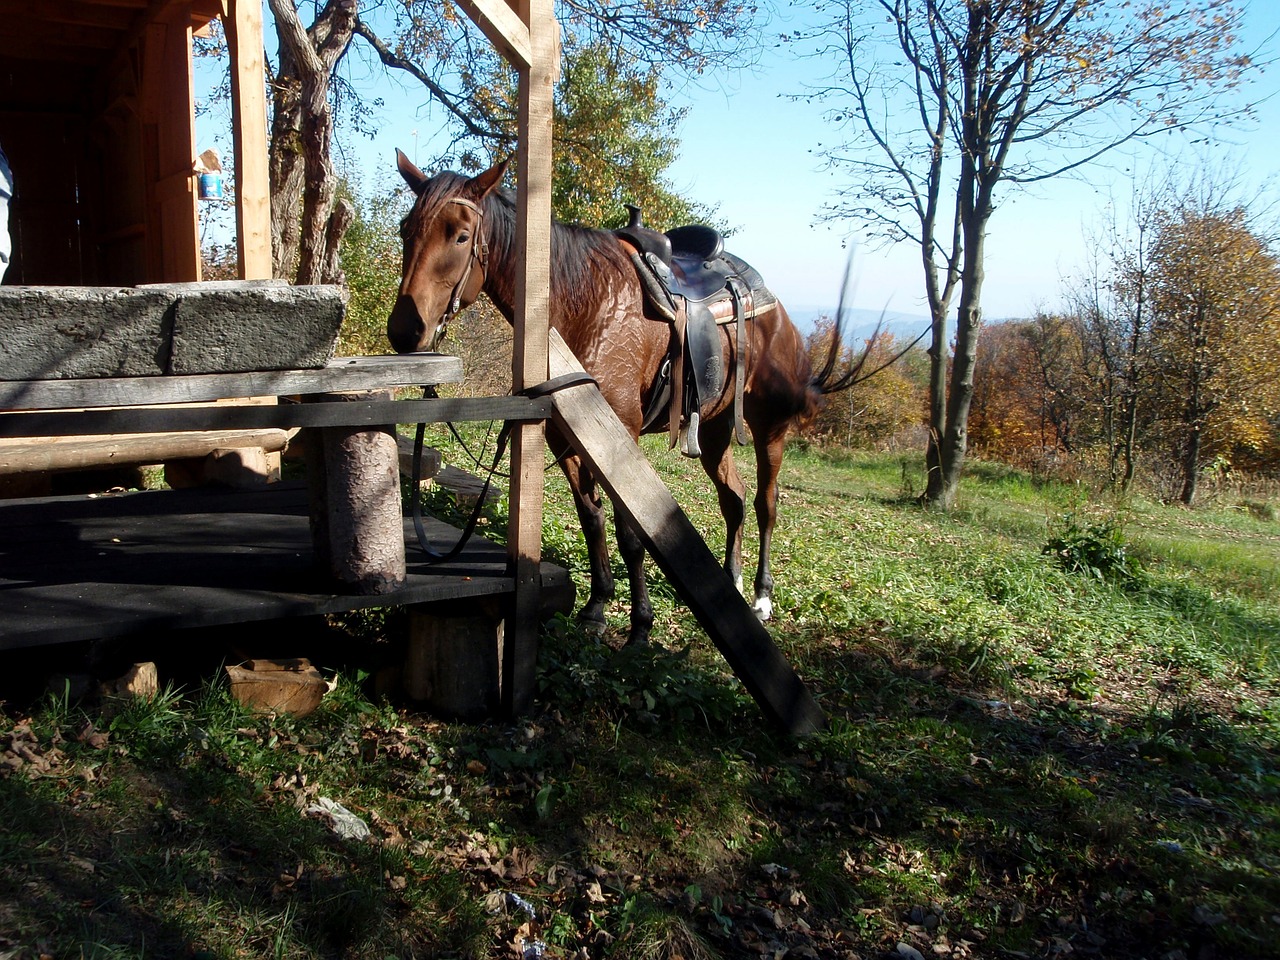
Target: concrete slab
x: 239, y: 326
x: 62, y: 333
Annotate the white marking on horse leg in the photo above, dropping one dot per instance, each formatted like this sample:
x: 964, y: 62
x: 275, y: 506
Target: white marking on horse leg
x: 763, y: 608
x: 738, y: 583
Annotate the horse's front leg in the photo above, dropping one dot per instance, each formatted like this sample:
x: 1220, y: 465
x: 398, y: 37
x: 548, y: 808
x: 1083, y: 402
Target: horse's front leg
x: 632, y: 550
x: 590, y: 509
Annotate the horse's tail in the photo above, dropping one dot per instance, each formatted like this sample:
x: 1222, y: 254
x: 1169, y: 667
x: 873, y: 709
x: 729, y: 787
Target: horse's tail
x: 828, y: 379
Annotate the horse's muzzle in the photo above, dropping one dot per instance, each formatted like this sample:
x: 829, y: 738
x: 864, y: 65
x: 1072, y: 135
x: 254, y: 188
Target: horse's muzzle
x: 405, y: 327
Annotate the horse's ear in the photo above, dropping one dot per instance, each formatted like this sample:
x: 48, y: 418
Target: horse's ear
x: 483, y: 184
x: 414, y: 177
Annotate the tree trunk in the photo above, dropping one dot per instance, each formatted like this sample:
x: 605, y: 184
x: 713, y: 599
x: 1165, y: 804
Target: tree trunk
x: 1129, y: 439
x: 938, y: 361
x: 285, y: 165
x: 955, y: 440
x: 301, y: 170
x: 1190, y: 468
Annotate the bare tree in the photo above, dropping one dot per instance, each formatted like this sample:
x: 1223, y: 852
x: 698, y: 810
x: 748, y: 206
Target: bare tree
x: 1113, y: 305
x: 945, y: 101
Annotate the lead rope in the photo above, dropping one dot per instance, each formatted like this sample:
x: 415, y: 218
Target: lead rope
x: 504, y: 435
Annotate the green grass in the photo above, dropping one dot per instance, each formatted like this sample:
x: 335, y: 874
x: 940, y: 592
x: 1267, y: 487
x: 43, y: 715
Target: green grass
x: 1020, y: 759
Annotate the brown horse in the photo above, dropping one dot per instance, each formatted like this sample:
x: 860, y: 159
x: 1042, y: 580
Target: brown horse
x: 459, y: 240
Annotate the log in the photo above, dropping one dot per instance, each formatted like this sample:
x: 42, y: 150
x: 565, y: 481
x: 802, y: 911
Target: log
x: 598, y: 436
x: 431, y: 460
x: 357, y: 528
x: 46, y: 454
x: 241, y: 468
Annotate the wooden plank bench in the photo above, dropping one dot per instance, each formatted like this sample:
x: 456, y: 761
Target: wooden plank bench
x: 77, y: 568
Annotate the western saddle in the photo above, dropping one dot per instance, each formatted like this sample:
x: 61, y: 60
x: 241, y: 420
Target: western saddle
x: 692, y: 283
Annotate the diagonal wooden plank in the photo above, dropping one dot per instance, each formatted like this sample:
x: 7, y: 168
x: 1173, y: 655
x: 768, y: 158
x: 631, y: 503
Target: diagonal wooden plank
x: 599, y: 437
x: 504, y: 28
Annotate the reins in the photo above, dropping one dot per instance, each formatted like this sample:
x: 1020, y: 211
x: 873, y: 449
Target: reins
x: 544, y: 389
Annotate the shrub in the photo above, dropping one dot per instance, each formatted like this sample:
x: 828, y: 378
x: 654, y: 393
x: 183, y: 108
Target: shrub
x: 1099, y: 549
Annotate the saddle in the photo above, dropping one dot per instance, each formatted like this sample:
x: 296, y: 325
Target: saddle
x: 692, y: 283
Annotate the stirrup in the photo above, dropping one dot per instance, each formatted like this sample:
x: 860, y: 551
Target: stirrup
x: 689, y: 437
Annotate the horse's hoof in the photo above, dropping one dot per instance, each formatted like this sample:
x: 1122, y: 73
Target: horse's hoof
x: 592, y: 627
x: 763, y: 608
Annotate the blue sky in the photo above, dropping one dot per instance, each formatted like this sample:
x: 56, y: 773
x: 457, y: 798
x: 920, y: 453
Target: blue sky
x: 749, y: 150
x: 775, y: 190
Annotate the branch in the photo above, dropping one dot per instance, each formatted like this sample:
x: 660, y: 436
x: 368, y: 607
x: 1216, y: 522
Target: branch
x: 446, y: 99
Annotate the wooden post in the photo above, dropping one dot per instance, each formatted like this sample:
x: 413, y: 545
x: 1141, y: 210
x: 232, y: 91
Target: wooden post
x: 599, y: 437
x: 242, y: 20
x: 529, y: 357
x: 525, y: 32
x: 453, y: 662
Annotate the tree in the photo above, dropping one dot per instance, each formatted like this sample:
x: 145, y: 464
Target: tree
x: 1113, y: 307
x: 1215, y: 297
x: 370, y: 257
x: 305, y: 243
x: 964, y: 96
x: 614, y: 140
x: 1029, y: 406
x: 431, y: 42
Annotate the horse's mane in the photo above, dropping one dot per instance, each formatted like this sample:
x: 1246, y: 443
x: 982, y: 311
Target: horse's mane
x: 579, y: 254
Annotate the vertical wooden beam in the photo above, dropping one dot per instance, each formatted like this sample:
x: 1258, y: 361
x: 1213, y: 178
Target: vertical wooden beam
x: 169, y: 129
x: 242, y: 20
x: 529, y: 358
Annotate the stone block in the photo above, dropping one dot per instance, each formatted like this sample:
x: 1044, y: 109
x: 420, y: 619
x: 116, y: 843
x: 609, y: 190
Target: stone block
x: 226, y: 326
x: 61, y: 333
x: 237, y: 326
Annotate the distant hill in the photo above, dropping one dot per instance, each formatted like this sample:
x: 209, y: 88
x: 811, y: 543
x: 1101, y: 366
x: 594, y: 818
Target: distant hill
x: 860, y: 324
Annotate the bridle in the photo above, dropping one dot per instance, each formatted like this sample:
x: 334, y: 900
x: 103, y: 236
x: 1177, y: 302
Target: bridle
x: 479, y: 254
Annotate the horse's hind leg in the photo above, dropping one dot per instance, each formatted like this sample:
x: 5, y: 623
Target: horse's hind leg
x: 770, y: 445
x: 590, y: 508
x: 718, y: 462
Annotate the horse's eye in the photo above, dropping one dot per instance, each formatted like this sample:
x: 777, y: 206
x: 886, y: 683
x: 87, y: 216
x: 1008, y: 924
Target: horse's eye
x: 463, y: 237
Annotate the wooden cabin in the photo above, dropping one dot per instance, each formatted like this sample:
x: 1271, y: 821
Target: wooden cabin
x: 97, y: 119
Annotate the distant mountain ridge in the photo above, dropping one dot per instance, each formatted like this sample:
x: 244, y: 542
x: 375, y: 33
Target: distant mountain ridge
x: 861, y: 324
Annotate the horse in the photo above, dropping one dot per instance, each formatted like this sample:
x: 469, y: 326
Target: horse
x: 459, y: 240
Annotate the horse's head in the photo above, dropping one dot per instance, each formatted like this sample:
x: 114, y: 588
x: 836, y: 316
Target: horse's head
x: 445, y: 253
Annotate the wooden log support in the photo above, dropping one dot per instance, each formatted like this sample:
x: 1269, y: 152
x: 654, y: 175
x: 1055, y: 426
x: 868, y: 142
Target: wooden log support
x: 354, y: 478
x: 597, y: 435
x: 46, y: 454
x: 453, y: 663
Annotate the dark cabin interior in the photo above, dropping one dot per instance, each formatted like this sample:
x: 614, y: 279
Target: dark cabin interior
x: 97, y: 121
